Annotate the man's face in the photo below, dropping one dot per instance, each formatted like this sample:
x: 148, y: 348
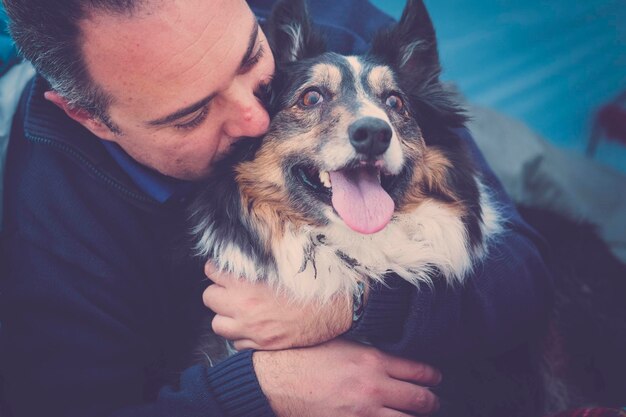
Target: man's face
x: 183, y: 76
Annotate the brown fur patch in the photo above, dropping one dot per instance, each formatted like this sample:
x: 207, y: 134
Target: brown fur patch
x: 430, y: 178
x: 380, y: 79
x: 327, y: 75
x: 264, y: 196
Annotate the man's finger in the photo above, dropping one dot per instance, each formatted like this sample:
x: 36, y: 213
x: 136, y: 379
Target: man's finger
x: 226, y: 327
x: 219, y: 277
x: 245, y: 344
x: 229, y: 329
x: 405, y: 396
x: 389, y: 412
x: 215, y: 297
x: 406, y: 370
x: 213, y: 273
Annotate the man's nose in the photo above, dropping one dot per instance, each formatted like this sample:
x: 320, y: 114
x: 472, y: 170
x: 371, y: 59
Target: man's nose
x: 247, y: 116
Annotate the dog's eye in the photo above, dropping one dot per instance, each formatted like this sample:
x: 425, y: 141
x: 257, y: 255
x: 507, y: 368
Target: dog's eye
x: 395, y: 102
x: 311, y: 98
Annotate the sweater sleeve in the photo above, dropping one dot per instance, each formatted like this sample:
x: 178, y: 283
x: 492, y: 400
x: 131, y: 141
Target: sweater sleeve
x: 505, y: 299
x: 227, y: 389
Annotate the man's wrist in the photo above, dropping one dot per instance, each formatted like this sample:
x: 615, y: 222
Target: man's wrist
x: 235, y: 385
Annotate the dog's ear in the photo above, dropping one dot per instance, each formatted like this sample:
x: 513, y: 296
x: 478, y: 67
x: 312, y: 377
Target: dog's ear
x: 410, y: 47
x: 291, y: 34
x: 411, y: 44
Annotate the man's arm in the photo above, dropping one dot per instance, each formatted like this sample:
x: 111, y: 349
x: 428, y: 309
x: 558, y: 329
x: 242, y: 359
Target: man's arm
x: 254, y: 315
x: 345, y: 379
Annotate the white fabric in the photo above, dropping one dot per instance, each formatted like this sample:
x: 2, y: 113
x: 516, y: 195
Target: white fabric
x: 539, y: 174
x: 11, y: 85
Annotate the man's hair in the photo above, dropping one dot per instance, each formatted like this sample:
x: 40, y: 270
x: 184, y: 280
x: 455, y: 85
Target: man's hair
x: 48, y: 34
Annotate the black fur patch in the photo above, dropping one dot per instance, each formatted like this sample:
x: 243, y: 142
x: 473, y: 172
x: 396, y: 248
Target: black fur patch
x: 220, y: 201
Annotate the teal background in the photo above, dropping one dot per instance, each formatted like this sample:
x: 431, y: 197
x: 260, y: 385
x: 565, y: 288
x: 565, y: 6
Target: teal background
x: 549, y: 63
x: 7, y: 51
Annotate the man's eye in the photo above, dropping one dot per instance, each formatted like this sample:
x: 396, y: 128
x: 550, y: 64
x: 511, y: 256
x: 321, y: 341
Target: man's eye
x: 194, y: 119
x: 253, y: 60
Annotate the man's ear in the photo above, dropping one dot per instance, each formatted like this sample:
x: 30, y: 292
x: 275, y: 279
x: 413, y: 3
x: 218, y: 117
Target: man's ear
x: 291, y: 34
x: 88, y: 120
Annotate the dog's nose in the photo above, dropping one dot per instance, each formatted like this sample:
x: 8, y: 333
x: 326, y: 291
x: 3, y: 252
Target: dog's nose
x: 370, y: 136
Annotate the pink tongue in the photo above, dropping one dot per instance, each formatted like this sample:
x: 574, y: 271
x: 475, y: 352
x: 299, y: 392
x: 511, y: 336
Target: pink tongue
x: 360, y: 200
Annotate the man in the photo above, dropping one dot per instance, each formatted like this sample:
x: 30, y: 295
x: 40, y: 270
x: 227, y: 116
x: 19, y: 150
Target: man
x: 134, y: 102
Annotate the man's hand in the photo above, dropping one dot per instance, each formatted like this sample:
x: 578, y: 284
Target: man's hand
x: 255, y: 316
x: 345, y: 379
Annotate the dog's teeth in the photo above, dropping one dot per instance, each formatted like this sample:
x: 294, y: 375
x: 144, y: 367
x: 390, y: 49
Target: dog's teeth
x: 325, y: 179
x: 378, y: 176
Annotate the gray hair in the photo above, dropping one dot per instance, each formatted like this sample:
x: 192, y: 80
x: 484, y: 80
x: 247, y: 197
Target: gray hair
x: 47, y: 33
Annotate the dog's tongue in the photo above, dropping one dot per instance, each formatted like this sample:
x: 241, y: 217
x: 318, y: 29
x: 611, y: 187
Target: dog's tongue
x: 360, y: 201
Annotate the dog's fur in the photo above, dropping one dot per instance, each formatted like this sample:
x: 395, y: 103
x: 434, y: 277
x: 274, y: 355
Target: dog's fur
x: 267, y: 215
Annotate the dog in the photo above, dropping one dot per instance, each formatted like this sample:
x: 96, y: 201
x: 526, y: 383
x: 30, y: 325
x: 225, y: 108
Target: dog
x: 360, y: 175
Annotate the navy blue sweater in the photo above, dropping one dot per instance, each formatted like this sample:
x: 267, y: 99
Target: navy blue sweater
x: 99, y: 304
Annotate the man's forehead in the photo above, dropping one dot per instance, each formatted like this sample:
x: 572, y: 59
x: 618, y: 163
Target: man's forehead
x: 160, y: 34
x: 166, y: 50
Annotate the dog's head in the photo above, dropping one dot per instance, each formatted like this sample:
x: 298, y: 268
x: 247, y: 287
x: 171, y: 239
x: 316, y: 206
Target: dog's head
x: 349, y: 136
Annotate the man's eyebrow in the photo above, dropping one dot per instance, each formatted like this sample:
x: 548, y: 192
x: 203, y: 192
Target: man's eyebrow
x: 243, y: 66
x: 182, y: 112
